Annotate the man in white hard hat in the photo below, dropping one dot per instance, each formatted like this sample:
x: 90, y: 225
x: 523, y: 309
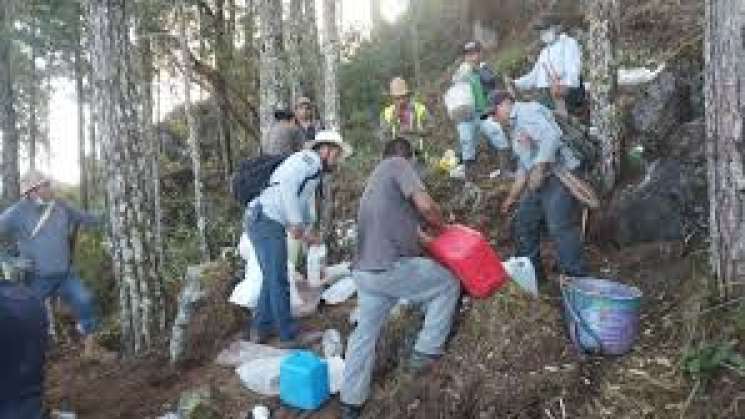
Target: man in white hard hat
x: 42, y: 226
x: 284, y: 206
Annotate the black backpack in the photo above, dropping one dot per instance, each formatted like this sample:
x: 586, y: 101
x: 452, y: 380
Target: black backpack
x: 488, y: 78
x: 253, y: 176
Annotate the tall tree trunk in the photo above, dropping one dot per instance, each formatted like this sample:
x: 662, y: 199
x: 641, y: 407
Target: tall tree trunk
x: 415, y: 10
x: 312, y: 62
x: 81, y: 117
x: 604, y: 18
x: 725, y: 96
x: 33, y: 127
x: 196, y: 155
x: 152, y: 148
x: 376, y: 17
x: 331, y: 58
x: 118, y: 118
x: 273, y: 94
x: 295, y: 43
x: 223, y: 59
x: 331, y: 104
x: 8, y: 118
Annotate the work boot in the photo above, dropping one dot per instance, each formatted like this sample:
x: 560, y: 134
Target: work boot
x: 350, y: 411
x: 421, y: 363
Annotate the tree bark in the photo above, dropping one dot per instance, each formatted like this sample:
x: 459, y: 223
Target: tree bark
x: 331, y: 58
x: 223, y: 61
x: 8, y: 117
x: 78, y: 64
x: 194, y: 146
x: 273, y: 86
x: 415, y: 8
x: 376, y: 17
x: 152, y: 168
x: 725, y: 95
x: 33, y: 127
x: 312, y: 62
x: 115, y: 88
x: 604, y: 18
x: 294, y: 35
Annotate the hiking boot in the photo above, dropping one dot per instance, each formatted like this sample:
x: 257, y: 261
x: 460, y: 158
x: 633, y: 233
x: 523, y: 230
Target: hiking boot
x: 350, y: 411
x: 421, y: 363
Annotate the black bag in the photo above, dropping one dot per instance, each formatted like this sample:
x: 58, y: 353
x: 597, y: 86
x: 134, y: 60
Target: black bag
x: 253, y: 176
x: 488, y: 78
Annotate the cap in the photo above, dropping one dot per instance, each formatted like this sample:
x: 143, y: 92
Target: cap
x: 495, y: 99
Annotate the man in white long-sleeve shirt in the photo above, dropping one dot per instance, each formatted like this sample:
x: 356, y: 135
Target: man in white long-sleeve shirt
x: 284, y: 206
x: 557, y: 71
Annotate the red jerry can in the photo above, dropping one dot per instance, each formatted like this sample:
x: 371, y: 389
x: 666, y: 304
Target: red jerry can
x: 467, y: 254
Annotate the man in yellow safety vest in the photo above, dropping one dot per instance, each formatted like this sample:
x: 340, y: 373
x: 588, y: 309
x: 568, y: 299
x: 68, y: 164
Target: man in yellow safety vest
x: 405, y: 117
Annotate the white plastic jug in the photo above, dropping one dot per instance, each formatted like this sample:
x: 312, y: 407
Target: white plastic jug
x: 331, y: 343
x: 315, y: 262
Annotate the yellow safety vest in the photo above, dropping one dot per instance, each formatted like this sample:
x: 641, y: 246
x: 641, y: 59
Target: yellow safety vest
x: 389, y: 116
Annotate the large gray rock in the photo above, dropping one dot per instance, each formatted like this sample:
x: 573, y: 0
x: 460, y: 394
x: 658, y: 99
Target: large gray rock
x: 662, y: 106
x: 653, y: 209
x: 671, y: 201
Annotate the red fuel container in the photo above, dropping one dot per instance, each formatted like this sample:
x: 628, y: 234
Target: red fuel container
x: 467, y: 254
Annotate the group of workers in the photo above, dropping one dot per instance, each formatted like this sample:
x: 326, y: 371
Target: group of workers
x: 396, y: 218
x: 396, y: 215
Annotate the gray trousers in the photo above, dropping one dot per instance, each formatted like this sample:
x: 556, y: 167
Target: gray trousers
x: 419, y: 280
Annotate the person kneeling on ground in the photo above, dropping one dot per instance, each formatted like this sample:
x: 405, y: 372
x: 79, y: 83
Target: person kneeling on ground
x: 536, y: 142
x: 389, y: 265
x: 284, y: 207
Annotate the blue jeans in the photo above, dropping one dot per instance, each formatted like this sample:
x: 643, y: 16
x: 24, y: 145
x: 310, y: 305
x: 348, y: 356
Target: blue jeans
x: 417, y: 279
x: 469, y: 135
x: 273, y: 307
x: 73, y: 293
x: 29, y: 407
x: 553, y: 204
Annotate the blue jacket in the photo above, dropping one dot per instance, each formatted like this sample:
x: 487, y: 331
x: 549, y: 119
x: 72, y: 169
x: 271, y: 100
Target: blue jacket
x: 49, y: 249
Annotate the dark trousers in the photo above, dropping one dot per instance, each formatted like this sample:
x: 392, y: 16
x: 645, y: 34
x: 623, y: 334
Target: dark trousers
x: 553, y: 205
x: 29, y: 407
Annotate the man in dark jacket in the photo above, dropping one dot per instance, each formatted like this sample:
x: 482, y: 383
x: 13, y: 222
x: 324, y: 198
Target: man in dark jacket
x: 23, y: 340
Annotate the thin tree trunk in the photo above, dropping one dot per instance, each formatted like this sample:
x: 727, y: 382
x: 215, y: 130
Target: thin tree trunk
x: 331, y: 102
x: 331, y: 56
x: 156, y: 309
x: 273, y: 85
x: 294, y: 37
x: 8, y: 118
x: 81, y: 118
x: 312, y: 57
x: 724, y: 95
x: 196, y: 158
x: 604, y: 17
x: 33, y: 127
x: 376, y: 16
x: 223, y: 59
x: 415, y: 8
x: 159, y: 250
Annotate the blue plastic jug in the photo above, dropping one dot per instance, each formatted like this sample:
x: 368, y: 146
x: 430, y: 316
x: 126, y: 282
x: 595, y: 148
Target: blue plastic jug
x: 303, y: 381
